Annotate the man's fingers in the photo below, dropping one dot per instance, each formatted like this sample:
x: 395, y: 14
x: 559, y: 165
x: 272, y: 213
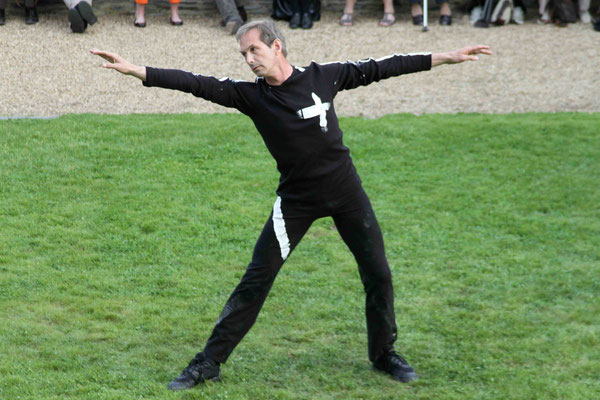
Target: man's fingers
x: 481, y: 49
x: 108, y: 56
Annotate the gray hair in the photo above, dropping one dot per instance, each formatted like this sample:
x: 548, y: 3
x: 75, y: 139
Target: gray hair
x: 268, y: 32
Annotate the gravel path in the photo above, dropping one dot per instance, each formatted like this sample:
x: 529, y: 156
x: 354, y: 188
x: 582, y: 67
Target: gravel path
x: 47, y: 71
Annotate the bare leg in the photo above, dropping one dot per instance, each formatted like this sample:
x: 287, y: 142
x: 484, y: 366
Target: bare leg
x: 415, y: 9
x: 388, y: 6
x: 445, y: 9
x: 349, y: 6
x: 175, y: 13
x: 139, y: 13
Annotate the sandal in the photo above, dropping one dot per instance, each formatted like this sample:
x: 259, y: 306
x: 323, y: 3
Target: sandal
x: 346, y: 19
x: 387, y: 20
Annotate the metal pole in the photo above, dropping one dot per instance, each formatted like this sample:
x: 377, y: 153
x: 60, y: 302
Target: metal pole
x: 425, y: 28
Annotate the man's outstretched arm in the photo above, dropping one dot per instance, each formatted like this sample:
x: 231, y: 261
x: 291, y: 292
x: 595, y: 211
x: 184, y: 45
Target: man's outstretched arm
x: 465, y: 54
x: 120, y: 64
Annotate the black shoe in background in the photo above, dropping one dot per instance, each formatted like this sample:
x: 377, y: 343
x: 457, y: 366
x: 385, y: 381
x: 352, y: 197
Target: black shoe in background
x: 295, y: 21
x: 396, y: 366
x: 200, y: 369
x: 597, y: 25
x: 78, y: 24
x: 31, y: 16
x: 445, y: 20
x: 86, y: 12
x: 306, y: 21
x: 2, y: 17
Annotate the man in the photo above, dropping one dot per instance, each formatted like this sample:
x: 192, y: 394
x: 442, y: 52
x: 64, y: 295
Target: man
x: 292, y: 108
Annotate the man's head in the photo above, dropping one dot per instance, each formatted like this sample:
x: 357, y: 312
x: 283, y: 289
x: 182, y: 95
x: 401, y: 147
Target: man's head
x: 263, y: 47
x: 268, y: 33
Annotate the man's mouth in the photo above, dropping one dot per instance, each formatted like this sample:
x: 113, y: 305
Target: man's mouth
x: 255, y: 67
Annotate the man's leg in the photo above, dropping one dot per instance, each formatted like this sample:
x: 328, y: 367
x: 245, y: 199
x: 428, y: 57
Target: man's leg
x: 279, y: 237
x: 360, y: 231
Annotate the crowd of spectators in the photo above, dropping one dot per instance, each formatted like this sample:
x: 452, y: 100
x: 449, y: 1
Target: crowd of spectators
x: 302, y: 13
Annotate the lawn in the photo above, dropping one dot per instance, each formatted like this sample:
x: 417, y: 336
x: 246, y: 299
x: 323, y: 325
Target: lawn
x: 121, y: 238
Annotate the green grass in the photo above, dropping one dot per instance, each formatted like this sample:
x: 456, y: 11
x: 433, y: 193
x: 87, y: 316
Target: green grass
x: 121, y: 238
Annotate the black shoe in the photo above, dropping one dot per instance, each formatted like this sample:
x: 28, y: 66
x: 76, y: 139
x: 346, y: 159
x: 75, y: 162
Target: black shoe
x: 597, y: 25
x: 78, y: 24
x: 2, y: 17
x: 176, y: 23
x: 31, y: 16
x: 295, y: 21
x: 445, y: 20
x: 85, y: 10
x: 200, y: 369
x: 391, y: 363
x: 306, y: 21
x: 139, y: 24
x: 417, y: 19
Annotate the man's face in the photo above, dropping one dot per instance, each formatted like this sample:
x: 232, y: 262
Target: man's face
x: 260, y: 58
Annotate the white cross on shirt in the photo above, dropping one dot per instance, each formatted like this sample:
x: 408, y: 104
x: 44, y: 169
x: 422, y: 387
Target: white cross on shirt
x: 318, y: 109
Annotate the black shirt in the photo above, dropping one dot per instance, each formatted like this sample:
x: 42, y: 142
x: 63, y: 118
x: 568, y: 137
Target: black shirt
x: 296, y: 119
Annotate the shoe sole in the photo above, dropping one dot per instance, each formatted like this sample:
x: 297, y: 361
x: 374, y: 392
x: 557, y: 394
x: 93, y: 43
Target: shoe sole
x: 412, y: 376
x: 178, y: 388
x: 77, y: 24
x: 87, y: 13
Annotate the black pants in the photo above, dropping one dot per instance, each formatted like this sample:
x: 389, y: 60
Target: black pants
x: 289, y: 221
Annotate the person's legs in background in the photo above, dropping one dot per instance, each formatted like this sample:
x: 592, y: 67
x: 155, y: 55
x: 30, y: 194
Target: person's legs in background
x: 80, y: 14
x: 388, y: 13
x: 584, y: 14
x: 230, y: 13
x: 417, y: 12
x: 347, y: 18
x: 140, y: 13
x: 301, y: 17
x: 2, y: 12
x: 175, y: 19
x: 31, y: 15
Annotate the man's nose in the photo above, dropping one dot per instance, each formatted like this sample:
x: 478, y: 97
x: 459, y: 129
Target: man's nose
x: 249, y: 59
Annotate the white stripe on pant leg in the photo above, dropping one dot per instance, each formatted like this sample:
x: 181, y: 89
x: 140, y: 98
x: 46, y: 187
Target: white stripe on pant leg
x: 280, y: 232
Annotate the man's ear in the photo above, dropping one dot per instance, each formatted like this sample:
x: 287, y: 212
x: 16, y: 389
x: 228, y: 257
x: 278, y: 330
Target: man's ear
x: 276, y: 46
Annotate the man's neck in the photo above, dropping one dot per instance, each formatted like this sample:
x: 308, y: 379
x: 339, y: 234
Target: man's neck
x: 282, y: 72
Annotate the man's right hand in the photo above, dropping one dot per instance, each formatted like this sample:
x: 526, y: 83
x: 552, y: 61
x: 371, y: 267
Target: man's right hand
x: 120, y: 64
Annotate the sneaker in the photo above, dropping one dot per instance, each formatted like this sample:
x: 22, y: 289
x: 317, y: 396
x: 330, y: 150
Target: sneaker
x: 518, y: 16
x: 396, y: 366
x: 475, y: 14
x: 585, y: 17
x: 200, y: 369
